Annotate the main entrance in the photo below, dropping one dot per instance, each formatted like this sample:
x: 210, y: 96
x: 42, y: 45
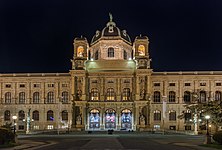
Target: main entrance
x: 126, y: 119
x: 110, y: 119
x: 94, y: 119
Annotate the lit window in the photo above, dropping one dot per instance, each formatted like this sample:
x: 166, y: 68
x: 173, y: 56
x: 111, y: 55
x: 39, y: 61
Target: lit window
x: 94, y: 94
x: 50, y: 127
x: 80, y: 51
x: 141, y: 50
x: 126, y: 94
x: 157, y: 115
x: 110, y: 94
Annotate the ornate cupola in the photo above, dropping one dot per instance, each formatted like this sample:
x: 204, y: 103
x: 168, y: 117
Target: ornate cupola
x: 141, y: 52
x: 80, y: 53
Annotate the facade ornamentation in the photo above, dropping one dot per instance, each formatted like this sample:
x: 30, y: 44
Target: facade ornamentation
x: 111, y: 85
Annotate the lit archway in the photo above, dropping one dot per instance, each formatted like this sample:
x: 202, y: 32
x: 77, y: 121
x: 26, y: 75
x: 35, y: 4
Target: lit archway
x: 94, y: 119
x: 110, y: 120
x: 126, y: 119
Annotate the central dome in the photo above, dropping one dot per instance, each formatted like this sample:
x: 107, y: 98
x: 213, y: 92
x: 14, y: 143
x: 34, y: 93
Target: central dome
x: 111, y: 31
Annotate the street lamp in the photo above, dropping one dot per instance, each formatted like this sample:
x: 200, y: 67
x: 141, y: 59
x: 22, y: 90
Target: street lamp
x: 208, y: 137
x: 14, y: 118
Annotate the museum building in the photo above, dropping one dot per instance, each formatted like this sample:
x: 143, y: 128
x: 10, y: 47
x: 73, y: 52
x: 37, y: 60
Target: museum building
x: 111, y: 85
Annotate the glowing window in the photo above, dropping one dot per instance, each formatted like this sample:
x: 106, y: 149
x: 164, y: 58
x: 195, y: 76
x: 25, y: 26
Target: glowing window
x: 80, y: 51
x: 141, y: 50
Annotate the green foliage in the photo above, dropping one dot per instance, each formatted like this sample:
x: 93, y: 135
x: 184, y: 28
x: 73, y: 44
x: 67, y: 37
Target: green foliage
x: 7, y: 126
x: 218, y: 137
x: 6, y: 136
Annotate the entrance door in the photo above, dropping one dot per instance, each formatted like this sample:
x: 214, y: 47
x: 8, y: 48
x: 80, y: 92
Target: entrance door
x: 126, y: 119
x: 110, y: 120
x: 94, y: 119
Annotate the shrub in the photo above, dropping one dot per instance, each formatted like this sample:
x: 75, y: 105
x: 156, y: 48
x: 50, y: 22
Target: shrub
x: 218, y: 137
x: 6, y: 136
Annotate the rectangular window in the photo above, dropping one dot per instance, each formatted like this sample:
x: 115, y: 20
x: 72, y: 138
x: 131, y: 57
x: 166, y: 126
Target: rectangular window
x: 202, y: 84
x: 172, y: 127
x: 36, y: 127
x: 187, y: 127
x: 218, y: 84
x: 94, y: 81
x: 64, y: 85
x: 156, y: 84
x: 51, y: 85
x: 21, y: 127
x: 50, y: 127
x: 156, y: 127
x: 22, y: 85
x: 36, y: 85
x: 187, y: 84
x: 172, y: 84
x: 8, y: 85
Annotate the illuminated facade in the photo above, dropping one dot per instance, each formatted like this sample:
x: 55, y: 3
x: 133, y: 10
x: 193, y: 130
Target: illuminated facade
x: 111, y: 85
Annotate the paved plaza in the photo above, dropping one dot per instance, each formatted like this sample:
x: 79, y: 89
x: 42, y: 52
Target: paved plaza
x: 116, y: 141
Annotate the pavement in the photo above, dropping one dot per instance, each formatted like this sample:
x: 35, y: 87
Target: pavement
x: 108, y: 142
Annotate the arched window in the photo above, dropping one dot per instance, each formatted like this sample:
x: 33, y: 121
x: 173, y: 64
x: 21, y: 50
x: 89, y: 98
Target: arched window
x: 22, y: 98
x: 110, y: 119
x: 50, y: 97
x: 110, y: 52
x: 36, y: 98
x: 157, y: 115
x: 96, y: 55
x: 80, y: 51
x: 7, y: 115
x: 110, y: 95
x: 65, y: 97
x: 94, y: 118
x: 35, y: 115
x: 187, y: 97
x: 172, y: 115
x: 126, y: 94
x: 8, y: 98
x: 124, y: 55
x: 202, y: 97
x: 21, y: 115
x: 65, y: 115
x: 172, y: 96
x: 126, y: 119
x: 50, y: 115
x: 187, y: 115
x: 94, y: 94
x: 156, y: 97
x: 218, y: 96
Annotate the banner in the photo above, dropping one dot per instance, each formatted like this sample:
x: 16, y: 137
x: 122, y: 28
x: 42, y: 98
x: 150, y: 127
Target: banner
x: 164, y: 108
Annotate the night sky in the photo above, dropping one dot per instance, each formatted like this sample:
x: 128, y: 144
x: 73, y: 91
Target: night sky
x: 37, y: 35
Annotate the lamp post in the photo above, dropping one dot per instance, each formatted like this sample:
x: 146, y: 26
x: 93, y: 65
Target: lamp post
x: 14, y: 118
x: 208, y: 137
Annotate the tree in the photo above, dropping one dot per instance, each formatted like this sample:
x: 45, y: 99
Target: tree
x: 212, y: 108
